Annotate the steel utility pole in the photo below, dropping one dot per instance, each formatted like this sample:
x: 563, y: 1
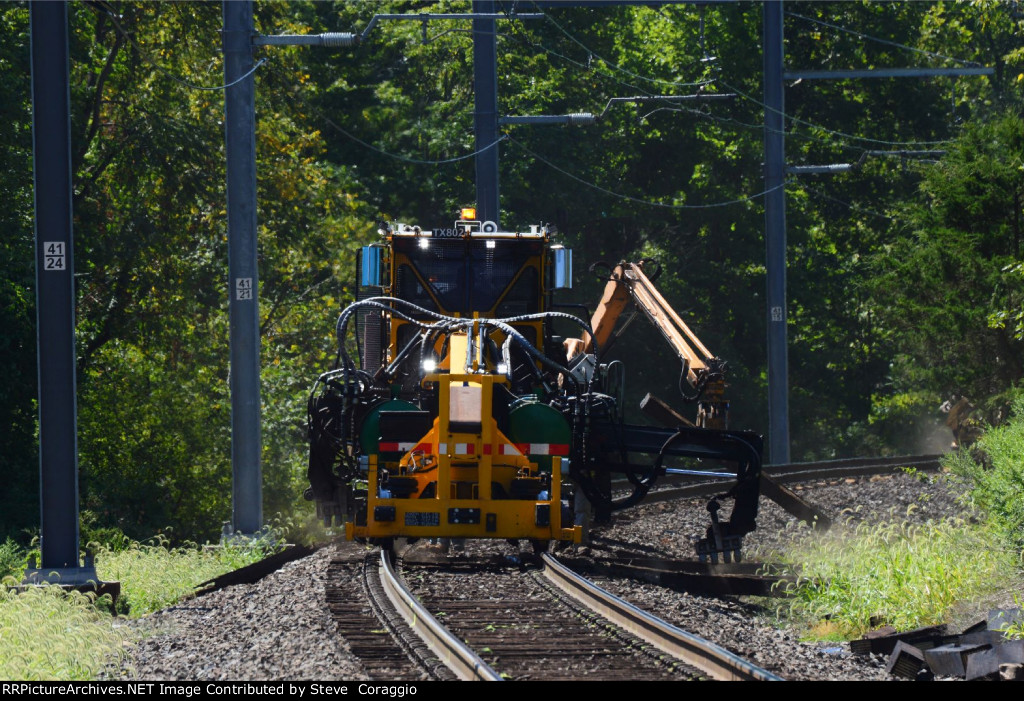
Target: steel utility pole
x: 239, y: 37
x: 485, y: 115
x: 775, y: 234
x: 775, y: 171
x: 243, y: 278
x: 55, y: 300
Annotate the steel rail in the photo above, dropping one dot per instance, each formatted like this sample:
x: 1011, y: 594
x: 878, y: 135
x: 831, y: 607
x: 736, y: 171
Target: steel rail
x: 879, y: 464
x: 694, y: 650
x: 800, y: 472
x: 448, y: 648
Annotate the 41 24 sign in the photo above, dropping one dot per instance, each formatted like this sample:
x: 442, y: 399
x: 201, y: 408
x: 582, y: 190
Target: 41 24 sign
x: 54, y: 255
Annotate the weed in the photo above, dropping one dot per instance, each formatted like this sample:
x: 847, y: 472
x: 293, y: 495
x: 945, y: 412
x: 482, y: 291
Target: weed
x: 908, y: 575
x: 1015, y: 630
x: 12, y: 560
x: 49, y: 634
x: 919, y: 475
x: 154, y: 575
x: 995, y: 468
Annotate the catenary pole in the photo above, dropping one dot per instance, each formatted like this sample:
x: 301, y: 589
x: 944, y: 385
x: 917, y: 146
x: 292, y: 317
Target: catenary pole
x: 775, y: 234
x: 243, y: 278
x: 485, y: 115
x: 55, y: 299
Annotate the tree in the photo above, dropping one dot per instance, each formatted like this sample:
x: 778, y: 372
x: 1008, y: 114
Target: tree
x: 154, y: 407
x: 386, y: 128
x: 19, y: 461
x: 947, y: 287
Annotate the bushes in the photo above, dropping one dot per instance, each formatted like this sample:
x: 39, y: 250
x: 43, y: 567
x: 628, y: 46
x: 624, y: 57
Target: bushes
x: 49, y: 634
x: 995, y: 468
x: 906, y: 575
x: 12, y: 560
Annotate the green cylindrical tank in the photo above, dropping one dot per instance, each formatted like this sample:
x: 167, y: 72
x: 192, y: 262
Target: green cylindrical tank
x: 532, y: 422
x: 369, y: 432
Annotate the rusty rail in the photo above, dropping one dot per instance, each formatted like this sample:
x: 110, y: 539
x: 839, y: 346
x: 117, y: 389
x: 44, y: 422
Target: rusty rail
x: 694, y: 650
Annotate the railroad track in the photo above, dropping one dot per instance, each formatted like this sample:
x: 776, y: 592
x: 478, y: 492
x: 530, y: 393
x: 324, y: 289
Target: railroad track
x: 695, y: 578
x: 528, y: 623
x: 457, y: 655
x: 851, y: 467
x: 375, y: 631
x: 496, y: 618
x: 706, y: 656
x: 693, y: 486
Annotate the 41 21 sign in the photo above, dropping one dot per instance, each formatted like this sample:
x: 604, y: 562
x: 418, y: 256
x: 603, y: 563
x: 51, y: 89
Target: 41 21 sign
x: 243, y: 288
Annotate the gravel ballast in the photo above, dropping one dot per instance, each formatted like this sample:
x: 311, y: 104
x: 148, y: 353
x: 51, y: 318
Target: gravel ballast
x: 280, y: 628
x: 277, y: 628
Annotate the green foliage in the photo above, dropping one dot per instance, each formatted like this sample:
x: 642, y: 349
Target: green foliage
x: 946, y: 286
x: 154, y: 574
x: 12, y: 560
x: 994, y: 467
x: 905, y: 280
x: 910, y: 420
x: 95, y: 535
x: 154, y: 411
x: 19, y: 498
x: 49, y: 634
x: 1015, y: 630
x: 908, y: 576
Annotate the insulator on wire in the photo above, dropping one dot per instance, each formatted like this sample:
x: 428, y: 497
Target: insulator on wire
x: 338, y: 39
x: 580, y: 118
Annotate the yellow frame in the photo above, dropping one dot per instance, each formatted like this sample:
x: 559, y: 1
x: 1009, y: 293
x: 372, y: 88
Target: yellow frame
x: 513, y: 518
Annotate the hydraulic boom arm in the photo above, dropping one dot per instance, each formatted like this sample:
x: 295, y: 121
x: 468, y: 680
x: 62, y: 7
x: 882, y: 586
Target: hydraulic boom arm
x: 703, y: 371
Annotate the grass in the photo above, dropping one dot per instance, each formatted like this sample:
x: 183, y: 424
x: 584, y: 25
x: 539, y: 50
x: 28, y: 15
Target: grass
x: 902, y: 575
x: 49, y: 634
x: 995, y: 468
x: 909, y: 576
x: 154, y: 575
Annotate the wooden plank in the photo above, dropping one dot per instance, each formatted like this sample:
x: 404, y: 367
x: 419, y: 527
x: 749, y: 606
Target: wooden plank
x: 788, y: 500
x: 663, y: 413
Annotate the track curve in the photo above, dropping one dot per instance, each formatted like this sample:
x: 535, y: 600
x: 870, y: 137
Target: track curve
x: 528, y: 620
x: 696, y: 651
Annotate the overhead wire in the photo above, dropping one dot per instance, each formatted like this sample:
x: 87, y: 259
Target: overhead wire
x: 804, y: 122
x: 670, y: 107
x: 843, y: 135
x: 857, y: 208
x: 408, y: 159
x: 833, y: 132
x: 879, y: 40
x: 616, y: 67
x: 703, y: 114
x: 165, y: 72
x: 731, y: 88
x: 650, y: 203
x: 568, y: 59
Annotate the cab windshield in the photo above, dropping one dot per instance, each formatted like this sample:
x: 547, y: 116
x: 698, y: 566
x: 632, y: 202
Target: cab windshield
x: 469, y: 275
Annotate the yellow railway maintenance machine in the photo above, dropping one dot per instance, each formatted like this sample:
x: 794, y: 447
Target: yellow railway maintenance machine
x: 467, y: 416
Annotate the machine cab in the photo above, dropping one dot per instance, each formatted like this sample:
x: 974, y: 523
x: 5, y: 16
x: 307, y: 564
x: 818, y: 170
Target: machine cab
x: 451, y: 324
x: 464, y: 270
